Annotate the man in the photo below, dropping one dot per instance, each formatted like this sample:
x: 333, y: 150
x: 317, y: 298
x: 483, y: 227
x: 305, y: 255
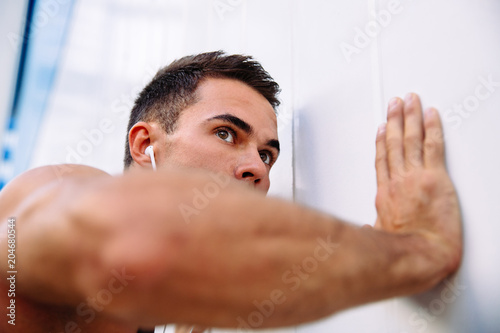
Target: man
x: 184, y: 244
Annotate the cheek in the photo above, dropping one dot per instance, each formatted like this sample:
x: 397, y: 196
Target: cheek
x: 266, y: 187
x: 204, y: 154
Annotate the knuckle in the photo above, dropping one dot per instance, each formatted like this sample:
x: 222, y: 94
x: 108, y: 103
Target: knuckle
x: 429, y: 181
x: 394, y: 186
x: 431, y: 146
x: 434, y: 135
x: 399, y: 174
x: 393, y: 143
x: 414, y: 159
x: 413, y: 140
x: 380, y: 160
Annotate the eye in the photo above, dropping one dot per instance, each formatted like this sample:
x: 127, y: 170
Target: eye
x: 266, y: 157
x: 225, y: 134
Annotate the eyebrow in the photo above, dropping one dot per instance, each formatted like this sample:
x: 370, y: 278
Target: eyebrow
x: 244, y: 126
x: 240, y: 123
x: 275, y: 144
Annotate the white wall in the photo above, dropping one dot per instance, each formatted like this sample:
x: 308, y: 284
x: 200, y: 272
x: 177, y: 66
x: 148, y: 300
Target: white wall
x: 332, y: 105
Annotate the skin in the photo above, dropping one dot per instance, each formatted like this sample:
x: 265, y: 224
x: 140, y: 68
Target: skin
x: 77, y: 227
x: 205, y: 138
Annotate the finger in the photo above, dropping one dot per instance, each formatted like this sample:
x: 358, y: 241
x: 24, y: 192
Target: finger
x: 394, y: 137
x: 381, y: 157
x: 433, y: 142
x: 182, y: 329
x: 413, y: 131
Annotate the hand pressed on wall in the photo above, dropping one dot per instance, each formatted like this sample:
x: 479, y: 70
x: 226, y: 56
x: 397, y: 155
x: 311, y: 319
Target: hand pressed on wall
x: 415, y: 194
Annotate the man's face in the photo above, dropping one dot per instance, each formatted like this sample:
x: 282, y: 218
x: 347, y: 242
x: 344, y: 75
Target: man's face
x: 230, y: 129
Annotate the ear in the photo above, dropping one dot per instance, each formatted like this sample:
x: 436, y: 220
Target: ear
x: 140, y: 136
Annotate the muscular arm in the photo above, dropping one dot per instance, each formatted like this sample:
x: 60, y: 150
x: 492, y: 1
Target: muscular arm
x: 130, y: 236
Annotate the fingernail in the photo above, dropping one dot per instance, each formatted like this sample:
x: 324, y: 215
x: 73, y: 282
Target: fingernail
x: 381, y: 129
x: 393, y: 103
x: 429, y: 113
x: 409, y: 97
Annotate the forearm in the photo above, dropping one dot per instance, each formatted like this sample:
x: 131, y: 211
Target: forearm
x: 240, y: 249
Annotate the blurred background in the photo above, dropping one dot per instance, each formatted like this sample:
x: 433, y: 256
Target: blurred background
x: 71, y: 70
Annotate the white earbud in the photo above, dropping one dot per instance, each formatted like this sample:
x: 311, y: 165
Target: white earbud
x: 149, y: 151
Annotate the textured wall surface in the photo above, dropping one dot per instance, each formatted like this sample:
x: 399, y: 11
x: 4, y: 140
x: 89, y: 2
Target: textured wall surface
x: 338, y: 63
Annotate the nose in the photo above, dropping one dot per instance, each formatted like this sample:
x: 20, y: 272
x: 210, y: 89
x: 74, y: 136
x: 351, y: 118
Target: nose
x: 253, y: 170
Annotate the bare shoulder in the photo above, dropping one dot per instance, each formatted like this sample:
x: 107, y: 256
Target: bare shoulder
x: 31, y: 181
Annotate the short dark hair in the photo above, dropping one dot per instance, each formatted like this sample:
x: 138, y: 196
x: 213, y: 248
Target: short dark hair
x: 174, y: 87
